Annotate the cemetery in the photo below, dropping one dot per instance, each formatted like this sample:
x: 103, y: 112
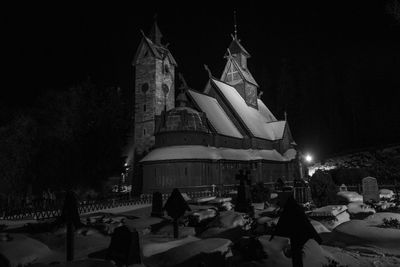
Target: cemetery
x: 254, y: 225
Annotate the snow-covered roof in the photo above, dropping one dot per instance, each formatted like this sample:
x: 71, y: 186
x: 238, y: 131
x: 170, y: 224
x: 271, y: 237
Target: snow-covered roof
x: 254, y: 119
x: 267, y: 114
x: 215, y: 114
x: 214, y: 153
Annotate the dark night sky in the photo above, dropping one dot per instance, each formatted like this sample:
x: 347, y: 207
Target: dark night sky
x: 54, y: 47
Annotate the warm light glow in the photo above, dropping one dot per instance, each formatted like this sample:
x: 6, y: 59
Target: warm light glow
x: 309, y: 158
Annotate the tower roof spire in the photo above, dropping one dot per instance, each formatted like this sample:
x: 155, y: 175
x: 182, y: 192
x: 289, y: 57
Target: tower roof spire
x: 155, y: 33
x: 234, y: 24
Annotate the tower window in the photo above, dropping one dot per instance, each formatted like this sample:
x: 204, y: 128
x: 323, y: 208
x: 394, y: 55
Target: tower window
x: 144, y: 107
x: 145, y: 88
x: 144, y: 131
x: 166, y: 69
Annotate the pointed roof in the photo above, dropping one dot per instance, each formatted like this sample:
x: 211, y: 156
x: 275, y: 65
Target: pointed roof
x: 236, y: 48
x: 244, y: 73
x: 215, y: 114
x: 158, y: 50
x: 253, y: 119
x: 155, y: 34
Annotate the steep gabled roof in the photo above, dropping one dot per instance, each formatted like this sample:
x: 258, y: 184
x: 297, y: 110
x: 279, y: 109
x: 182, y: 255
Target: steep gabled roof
x: 236, y: 48
x: 245, y: 74
x: 215, y: 114
x: 267, y: 114
x: 253, y: 119
x: 158, y: 51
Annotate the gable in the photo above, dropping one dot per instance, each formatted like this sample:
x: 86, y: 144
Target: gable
x: 215, y: 114
x: 250, y: 117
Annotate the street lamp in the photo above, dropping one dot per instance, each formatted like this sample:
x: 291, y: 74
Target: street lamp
x: 308, y: 158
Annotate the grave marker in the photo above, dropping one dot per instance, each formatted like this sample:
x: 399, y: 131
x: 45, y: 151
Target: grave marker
x: 124, y: 247
x: 157, y: 205
x: 343, y: 188
x: 370, y: 189
x: 176, y: 207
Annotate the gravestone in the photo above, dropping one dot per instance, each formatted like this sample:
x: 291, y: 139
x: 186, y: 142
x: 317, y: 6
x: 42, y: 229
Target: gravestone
x: 343, y: 188
x: 124, y: 247
x: 370, y: 189
x: 157, y: 205
x: 176, y: 206
x: 243, y: 202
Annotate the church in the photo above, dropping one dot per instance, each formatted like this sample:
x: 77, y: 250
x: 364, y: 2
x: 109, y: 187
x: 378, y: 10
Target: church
x: 191, y: 138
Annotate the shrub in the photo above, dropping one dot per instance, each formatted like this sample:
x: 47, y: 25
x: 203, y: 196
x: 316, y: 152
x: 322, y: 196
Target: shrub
x: 391, y: 223
x: 323, y: 189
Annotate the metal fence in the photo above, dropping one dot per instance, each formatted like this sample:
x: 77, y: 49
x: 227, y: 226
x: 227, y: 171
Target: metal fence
x: 51, y: 209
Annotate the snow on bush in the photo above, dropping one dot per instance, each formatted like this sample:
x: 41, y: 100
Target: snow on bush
x: 350, y: 196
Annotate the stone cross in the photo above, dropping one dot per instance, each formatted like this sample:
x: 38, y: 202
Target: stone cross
x: 370, y: 189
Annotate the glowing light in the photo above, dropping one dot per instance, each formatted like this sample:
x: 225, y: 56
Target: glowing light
x: 308, y: 158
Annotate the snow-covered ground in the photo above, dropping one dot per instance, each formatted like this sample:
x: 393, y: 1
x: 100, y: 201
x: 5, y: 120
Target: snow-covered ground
x: 347, y: 242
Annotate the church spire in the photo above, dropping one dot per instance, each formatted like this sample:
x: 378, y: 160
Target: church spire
x: 155, y: 33
x: 234, y: 23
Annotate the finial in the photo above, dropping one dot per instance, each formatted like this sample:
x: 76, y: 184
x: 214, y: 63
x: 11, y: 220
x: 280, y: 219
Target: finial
x: 229, y: 52
x: 285, y: 114
x: 142, y: 33
x: 184, y: 85
x: 208, y: 71
x: 234, y: 21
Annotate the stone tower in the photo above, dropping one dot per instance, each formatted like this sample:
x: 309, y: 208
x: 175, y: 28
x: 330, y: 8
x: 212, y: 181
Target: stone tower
x: 154, y: 86
x: 237, y: 74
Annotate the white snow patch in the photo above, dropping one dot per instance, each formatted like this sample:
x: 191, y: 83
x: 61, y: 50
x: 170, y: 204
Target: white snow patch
x: 214, y: 153
x: 217, y: 116
x: 351, y: 196
x: 252, y: 117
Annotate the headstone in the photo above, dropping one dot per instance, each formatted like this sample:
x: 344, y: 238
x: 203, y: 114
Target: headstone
x: 370, y: 189
x: 157, y: 205
x: 176, y: 206
x: 124, y: 247
x: 343, y: 188
x: 294, y: 224
x: 243, y: 202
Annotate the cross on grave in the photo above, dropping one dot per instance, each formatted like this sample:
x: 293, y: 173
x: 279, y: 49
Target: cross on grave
x: 294, y: 224
x: 243, y: 177
x: 176, y: 206
x: 243, y: 202
x: 70, y: 216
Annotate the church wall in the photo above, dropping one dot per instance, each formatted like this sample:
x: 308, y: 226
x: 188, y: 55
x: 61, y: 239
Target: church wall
x: 196, y: 175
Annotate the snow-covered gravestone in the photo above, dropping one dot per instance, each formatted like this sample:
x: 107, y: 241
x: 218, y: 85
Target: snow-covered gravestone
x: 343, y: 188
x: 370, y: 189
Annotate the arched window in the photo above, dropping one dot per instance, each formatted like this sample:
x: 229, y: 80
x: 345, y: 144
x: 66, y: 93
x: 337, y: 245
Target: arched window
x: 145, y: 88
x: 144, y: 131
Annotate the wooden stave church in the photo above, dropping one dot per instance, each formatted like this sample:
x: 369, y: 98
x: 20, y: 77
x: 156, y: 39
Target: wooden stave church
x: 204, y: 138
